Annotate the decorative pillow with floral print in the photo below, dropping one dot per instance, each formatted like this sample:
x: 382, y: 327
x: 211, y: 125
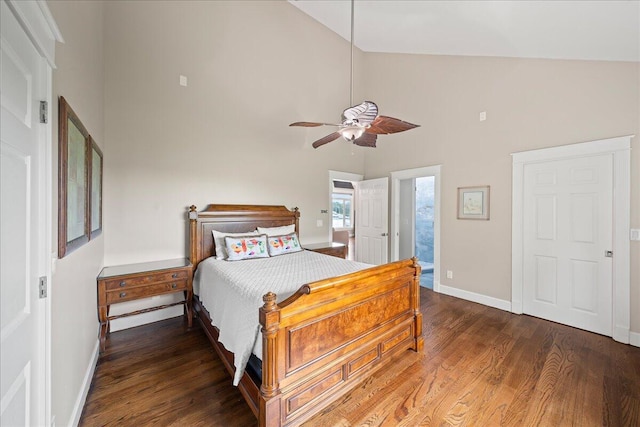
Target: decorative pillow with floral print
x: 246, y: 247
x: 218, y: 239
x: 279, y: 245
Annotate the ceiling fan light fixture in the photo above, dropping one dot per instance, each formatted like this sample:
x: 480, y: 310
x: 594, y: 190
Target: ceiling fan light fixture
x: 351, y: 133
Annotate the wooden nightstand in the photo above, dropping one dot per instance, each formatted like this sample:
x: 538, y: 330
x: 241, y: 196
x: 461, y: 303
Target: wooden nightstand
x: 136, y: 281
x: 329, y: 248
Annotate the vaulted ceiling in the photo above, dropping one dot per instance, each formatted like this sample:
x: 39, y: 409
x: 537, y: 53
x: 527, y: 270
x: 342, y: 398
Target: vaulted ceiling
x: 586, y: 30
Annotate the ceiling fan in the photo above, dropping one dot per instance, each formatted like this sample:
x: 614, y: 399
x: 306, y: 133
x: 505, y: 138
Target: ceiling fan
x: 361, y: 124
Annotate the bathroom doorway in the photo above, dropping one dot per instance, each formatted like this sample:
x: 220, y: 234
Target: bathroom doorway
x: 423, y: 231
x: 415, y: 220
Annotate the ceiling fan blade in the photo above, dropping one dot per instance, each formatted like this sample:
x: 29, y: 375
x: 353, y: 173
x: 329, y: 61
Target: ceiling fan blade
x: 312, y: 124
x: 327, y: 139
x: 387, y: 125
x: 367, y: 140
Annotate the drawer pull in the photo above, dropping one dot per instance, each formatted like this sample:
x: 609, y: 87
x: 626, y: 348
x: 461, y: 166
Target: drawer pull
x: 174, y: 275
x: 173, y: 286
x: 123, y: 294
x: 122, y: 284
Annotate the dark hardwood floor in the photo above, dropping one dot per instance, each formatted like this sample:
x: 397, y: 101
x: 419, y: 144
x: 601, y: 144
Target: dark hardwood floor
x: 480, y: 367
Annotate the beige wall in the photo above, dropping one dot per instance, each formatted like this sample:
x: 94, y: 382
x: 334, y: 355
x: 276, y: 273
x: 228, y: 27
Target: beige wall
x: 79, y: 77
x: 530, y: 104
x: 252, y: 68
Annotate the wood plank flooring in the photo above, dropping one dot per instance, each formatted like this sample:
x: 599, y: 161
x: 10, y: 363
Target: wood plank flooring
x: 480, y: 367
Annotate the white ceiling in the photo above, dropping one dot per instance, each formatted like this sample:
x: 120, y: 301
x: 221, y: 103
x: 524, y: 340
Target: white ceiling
x: 577, y: 29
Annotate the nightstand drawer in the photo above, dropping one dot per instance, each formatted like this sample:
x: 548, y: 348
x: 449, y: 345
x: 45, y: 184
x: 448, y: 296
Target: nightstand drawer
x: 128, y: 282
x: 137, y: 292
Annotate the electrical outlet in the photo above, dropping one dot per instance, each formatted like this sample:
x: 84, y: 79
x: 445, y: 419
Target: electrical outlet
x: 482, y: 116
x: 449, y: 274
x: 319, y: 223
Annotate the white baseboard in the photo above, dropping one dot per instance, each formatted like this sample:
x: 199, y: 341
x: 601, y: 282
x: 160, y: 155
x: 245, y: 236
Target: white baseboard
x: 86, y: 384
x: 634, y: 338
x: 474, y: 297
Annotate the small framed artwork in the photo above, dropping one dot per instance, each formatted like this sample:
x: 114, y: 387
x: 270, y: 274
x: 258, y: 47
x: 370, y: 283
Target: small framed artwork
x: 473, y: 202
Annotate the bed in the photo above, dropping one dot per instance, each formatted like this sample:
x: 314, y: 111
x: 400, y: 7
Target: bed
x: 363, y: 320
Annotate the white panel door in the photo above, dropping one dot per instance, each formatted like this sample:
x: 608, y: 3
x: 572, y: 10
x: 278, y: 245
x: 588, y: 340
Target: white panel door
x: 567, y: 229
x: 23, y: 228
x: 372, y: 224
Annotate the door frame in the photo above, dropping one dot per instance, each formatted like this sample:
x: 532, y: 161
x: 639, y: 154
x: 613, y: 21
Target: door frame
x: 398, y: 176
x: 40, y: 26
x: 620, y: 150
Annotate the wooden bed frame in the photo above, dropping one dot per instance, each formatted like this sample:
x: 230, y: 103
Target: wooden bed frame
x: 326, y: 338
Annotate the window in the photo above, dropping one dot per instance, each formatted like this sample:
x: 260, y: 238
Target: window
x: 342, y: 208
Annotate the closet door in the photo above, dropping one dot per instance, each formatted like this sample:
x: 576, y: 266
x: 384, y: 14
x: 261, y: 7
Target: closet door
x: 568, y: 242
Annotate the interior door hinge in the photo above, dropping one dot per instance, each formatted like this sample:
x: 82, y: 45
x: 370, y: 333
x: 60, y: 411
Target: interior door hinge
x: 44, y: 111
x: 42, y: 286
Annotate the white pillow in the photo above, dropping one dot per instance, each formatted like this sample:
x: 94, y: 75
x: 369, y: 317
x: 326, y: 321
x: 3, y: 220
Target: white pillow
x: 218, y: 239
x: 277, y: 231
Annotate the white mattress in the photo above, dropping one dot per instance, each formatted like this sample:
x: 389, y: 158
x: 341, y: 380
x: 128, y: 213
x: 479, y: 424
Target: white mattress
x: 232, y: 293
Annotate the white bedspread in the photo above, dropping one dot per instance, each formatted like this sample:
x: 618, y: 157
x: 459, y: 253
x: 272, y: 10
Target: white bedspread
x: 232, y: 293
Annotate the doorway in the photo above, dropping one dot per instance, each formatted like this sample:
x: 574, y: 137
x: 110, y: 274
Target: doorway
x: 342, y: 186
x: 423, y: 230
x: 416, y: 237
x: 415, y: 220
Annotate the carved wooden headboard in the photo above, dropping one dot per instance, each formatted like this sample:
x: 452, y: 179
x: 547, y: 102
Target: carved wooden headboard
x: 232, y: 219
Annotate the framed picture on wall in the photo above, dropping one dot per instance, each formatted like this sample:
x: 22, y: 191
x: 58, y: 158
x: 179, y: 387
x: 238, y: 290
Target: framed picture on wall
x: 473, y: 202
x: 73, y: 180
x: 95, y: 196
x: 79, y: 182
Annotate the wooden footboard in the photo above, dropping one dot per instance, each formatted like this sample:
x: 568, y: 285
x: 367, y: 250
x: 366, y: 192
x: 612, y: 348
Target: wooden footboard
x: 331, y: 334
x: 326, y: 338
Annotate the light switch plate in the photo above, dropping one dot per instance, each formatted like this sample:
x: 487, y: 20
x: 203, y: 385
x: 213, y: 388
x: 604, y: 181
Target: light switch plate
x: 634, y: 234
